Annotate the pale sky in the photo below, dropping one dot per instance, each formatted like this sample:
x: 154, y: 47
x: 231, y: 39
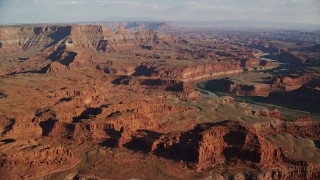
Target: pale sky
x: 55, y: 11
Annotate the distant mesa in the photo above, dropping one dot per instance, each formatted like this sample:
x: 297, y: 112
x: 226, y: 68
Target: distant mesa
x: 138, y: 25
x: 95, y: 37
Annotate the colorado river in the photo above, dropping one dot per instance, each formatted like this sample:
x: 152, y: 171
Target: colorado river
x: 284, y: 111
x: 211, y: 95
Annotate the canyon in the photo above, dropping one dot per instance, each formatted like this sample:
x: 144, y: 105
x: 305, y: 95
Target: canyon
x: 92, y: 101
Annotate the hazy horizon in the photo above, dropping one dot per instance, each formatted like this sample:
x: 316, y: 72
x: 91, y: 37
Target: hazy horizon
x: 66, y: 11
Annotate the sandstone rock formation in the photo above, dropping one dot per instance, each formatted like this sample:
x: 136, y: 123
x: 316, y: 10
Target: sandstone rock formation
x: 202, y: 71
x: 56, y: 67
x: 306, y: 96
x: 290, y: 83
x: 276, y: 84
x: 15, y: 38
x: 30, y: 160
x: 109, y: 121
x: 211, y: 145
